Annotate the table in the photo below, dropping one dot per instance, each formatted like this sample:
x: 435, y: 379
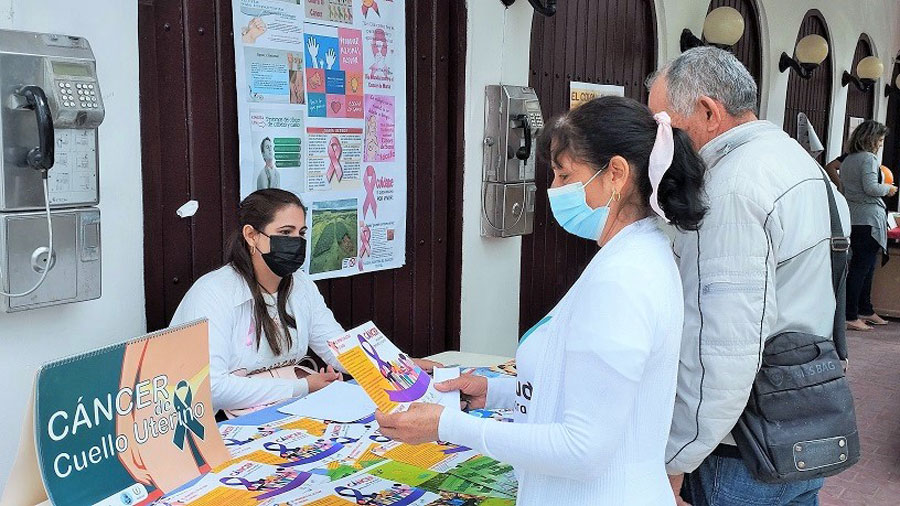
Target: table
x: 468, y: 359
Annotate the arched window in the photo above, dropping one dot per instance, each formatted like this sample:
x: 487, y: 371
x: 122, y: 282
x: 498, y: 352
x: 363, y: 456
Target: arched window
x: 603, y: 42
x: 811, y: 96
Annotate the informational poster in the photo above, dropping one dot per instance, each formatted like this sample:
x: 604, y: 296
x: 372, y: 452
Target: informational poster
x: 321, y: 89
x: 579, y: 92
x: 128, y: 423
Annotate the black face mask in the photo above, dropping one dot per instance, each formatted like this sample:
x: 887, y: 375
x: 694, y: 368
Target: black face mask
x: 286, y: 254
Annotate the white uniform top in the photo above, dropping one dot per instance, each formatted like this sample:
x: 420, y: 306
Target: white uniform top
x: 224, y: 298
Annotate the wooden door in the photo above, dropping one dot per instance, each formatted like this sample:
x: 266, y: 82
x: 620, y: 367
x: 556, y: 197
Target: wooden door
x: 811, y: 96
x: 189, y: 137
x: 860, y: 104
x: 596, y: 41
x: 891, y: 153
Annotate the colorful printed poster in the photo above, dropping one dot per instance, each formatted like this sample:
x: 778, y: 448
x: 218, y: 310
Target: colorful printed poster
x: 279, y: 158
x: 338, y: 11
x: 379, y: 56
x: 321, y: 95
x: 270, y: 23
x: 274, y: 76
x: 237, y: 435
x: 334, y: 158
x: 334, y: 72
x: 379, y: 136
x: 333, y: 236
x: 368, y: 490
x: 389, y: 376
x: 128, y: 423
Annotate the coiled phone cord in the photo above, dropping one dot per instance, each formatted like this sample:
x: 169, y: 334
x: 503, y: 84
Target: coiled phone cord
x: 49, y: 247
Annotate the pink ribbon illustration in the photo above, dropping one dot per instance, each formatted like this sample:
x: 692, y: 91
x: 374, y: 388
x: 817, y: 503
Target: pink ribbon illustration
x: 334, y: 154
x: 365, y: 235
x: 369, y: 183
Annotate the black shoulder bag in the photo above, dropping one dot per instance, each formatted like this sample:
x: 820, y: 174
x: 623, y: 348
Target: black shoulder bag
x: 799, y: 422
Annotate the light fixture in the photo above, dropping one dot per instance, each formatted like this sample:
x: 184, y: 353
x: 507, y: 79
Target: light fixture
x: 547, y: 10
x: 810, y: 52
x: 895, y: 89
x: 868, y: 70
x: 723, y: 27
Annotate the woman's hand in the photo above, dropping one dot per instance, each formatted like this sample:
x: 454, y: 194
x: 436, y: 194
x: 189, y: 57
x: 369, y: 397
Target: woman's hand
x: 472, y: 389
x: 417, y: 425
x: 892, y: 191
x: 322, y: 379
x: 426, y: 365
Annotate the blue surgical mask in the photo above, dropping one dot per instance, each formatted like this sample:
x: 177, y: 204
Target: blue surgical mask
x: 571, y: 211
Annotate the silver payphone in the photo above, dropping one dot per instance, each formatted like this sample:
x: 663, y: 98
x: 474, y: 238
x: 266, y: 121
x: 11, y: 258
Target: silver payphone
x: 50, y: 108
x: 512, y: 121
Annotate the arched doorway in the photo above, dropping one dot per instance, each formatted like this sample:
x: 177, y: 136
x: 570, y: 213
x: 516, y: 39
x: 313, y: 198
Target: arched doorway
x: 891, y: 154
x: 860, y: 104
x: 602, y: 42
x: 811, y: 96
x: 749, y: 48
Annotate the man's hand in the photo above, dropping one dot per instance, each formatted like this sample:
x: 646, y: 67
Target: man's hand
x: 427, y: 365
x: 417, y: 425
x: 472, y: 390
x: 676, y: 480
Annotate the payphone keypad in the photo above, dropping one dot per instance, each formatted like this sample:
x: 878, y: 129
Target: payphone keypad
x: 75, y: 94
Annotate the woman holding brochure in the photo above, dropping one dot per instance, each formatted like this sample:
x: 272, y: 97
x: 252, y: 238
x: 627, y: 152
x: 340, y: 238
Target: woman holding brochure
x: 595, y: 389
x: 264, y: 312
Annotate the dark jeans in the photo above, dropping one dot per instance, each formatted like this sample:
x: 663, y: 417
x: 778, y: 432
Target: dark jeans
x: 864, y: 250
x: 726, y: 481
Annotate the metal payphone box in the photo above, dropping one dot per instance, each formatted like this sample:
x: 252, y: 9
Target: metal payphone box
x: 50, y: 109
x: 74, y: 266
x: 63, y: 68
x: 512, y: 122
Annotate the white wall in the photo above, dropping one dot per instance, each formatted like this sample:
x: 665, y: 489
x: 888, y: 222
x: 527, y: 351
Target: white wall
x: 491, y: 267
x: 30, y: 338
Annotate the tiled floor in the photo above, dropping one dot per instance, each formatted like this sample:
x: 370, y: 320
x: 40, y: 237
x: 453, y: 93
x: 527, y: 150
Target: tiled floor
x: 875, y: 380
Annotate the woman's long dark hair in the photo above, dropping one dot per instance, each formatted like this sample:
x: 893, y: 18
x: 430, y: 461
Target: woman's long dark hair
x: 595, y: 132
x: 866, y: 137
x: 258, y: 210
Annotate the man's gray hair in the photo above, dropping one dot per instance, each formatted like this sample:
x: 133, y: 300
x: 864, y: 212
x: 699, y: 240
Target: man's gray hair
x: 712, y: 72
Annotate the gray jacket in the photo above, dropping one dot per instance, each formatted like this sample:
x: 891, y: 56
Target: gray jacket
x: 860, y: 178
x: 759, y: 265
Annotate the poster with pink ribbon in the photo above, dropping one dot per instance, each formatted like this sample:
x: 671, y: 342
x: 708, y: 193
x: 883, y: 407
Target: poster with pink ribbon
x: 321, y: 101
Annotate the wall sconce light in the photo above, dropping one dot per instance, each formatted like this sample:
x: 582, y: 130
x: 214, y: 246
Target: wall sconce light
x: 868, y: 70
x: 895, y: 89
x: 810, y: 52
x: 547, y: 10
x: 722, y: 28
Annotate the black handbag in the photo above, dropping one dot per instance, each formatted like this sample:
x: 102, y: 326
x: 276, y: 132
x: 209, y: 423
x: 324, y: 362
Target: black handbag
x: 799, y: 422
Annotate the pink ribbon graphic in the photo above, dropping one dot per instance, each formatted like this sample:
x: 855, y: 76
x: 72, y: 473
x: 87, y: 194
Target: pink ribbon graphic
x: 334, y: 154
x: 369, y: 183
x: 365, y: 235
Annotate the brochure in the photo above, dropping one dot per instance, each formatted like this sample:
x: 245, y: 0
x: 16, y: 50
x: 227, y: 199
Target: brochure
x: 387, y: 375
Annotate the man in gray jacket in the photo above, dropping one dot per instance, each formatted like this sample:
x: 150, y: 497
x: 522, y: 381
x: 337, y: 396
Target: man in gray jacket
x: 759, y: 265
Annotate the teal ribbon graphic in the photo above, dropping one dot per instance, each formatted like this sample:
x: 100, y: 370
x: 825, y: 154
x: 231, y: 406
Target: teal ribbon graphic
x: 186, y: 420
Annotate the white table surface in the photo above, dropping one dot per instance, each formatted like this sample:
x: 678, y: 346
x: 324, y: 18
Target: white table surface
x: 468, y: 359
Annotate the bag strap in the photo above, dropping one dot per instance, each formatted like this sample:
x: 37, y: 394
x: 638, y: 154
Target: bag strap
x: 840, y: 245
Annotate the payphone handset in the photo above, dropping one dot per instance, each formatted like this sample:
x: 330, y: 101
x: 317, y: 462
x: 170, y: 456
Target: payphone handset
x: 50, y: 110
x: 512, y: 122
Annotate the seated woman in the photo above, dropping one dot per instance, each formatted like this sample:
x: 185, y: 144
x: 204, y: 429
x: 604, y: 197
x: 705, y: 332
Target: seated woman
x: 596, y: 380
x: 264, y: 313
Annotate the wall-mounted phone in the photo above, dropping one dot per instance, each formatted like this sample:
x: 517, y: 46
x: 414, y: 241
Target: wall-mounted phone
x: 512, y: 122
x: 50, y: 108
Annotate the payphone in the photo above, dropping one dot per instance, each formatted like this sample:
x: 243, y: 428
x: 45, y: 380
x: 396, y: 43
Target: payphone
x: 512, y: 122
x: 50, y: 109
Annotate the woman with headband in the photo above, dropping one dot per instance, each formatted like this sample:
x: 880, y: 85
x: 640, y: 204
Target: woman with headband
x: 595, y: 389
